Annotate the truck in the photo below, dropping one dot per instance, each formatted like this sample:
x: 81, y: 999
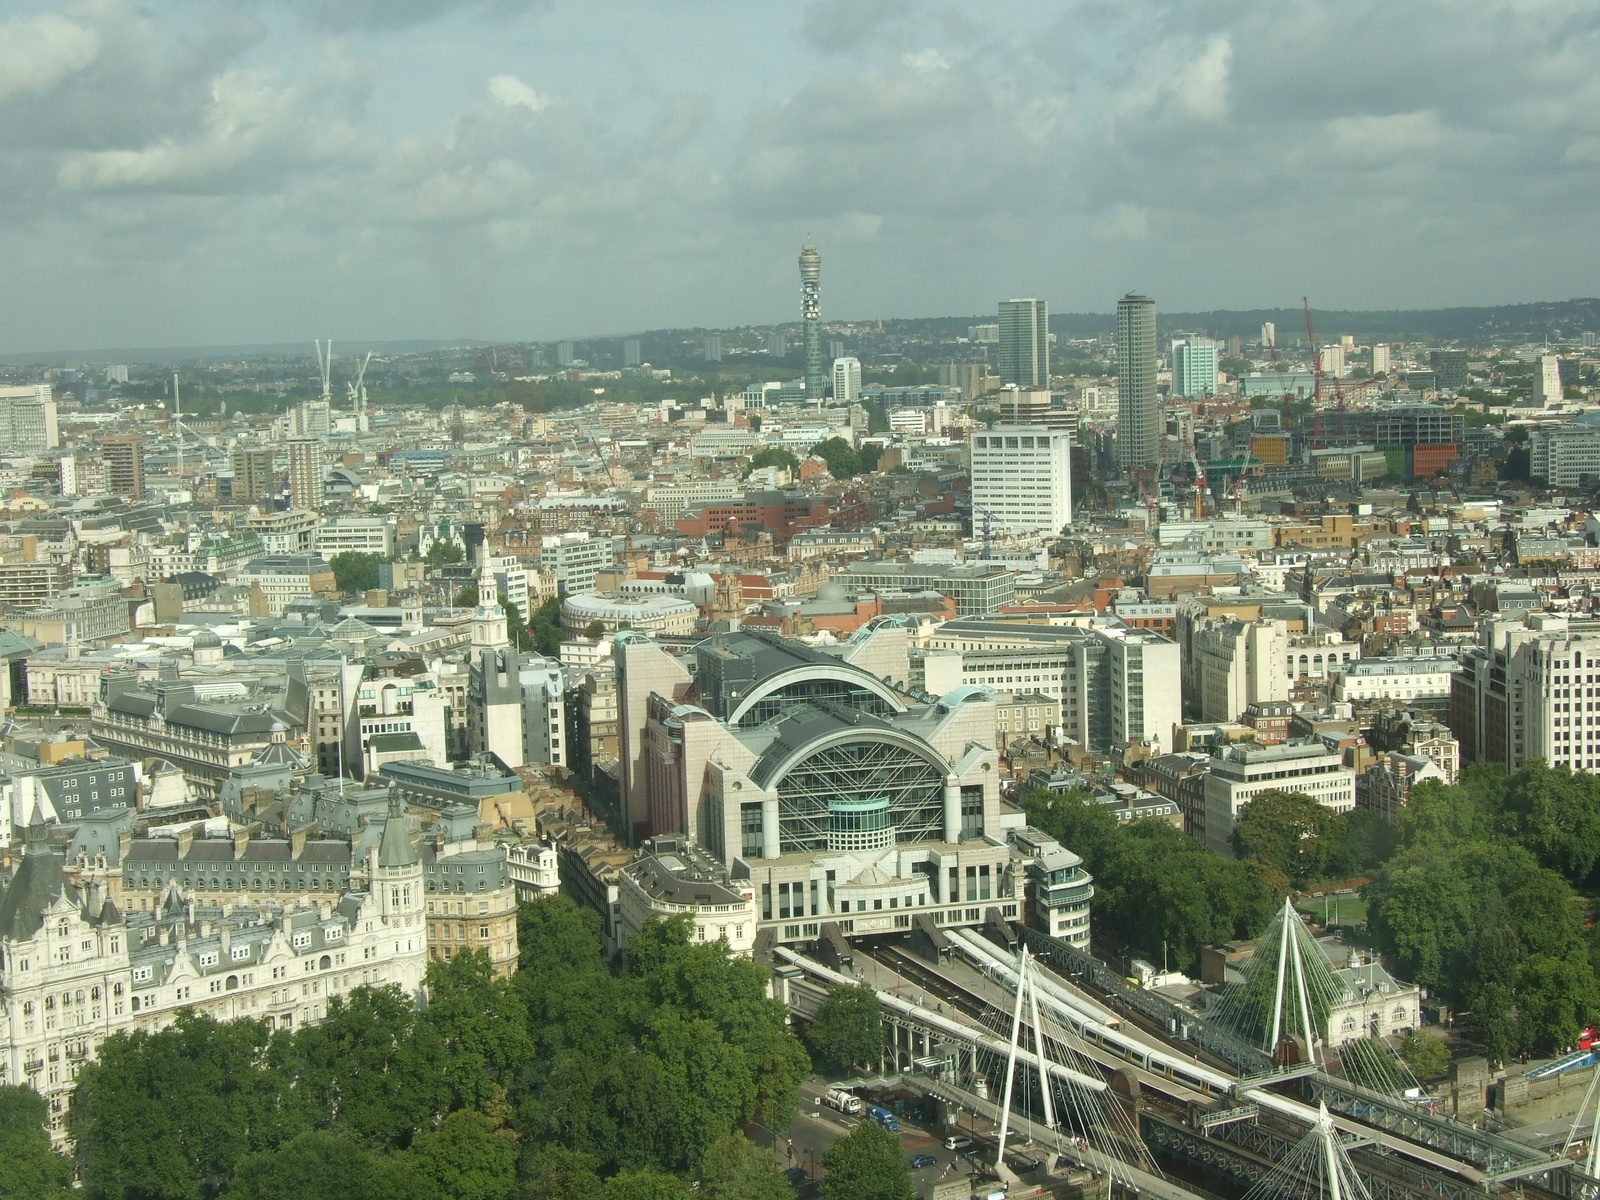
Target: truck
x: 844, y: 1101
x: 883, y: 1116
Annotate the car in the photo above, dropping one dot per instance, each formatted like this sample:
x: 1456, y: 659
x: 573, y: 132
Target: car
x: 918, y: 1161
x: 959, y: 1143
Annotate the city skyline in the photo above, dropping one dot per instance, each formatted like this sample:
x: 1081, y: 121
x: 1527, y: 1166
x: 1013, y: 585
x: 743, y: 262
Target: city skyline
x: 236, y: 173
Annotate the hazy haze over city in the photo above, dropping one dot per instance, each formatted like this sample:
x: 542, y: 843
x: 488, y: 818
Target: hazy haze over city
x: 200, y: 172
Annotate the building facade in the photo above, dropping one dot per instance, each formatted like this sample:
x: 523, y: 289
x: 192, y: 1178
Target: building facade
x: 76, y: 969
x: 1025, y: 343
x: 1139, y: 428
x: 1022, y: 479
x: 1242, y: 771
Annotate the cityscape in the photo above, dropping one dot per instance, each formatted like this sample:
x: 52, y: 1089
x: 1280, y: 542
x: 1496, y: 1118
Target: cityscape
x: 1097, y: 734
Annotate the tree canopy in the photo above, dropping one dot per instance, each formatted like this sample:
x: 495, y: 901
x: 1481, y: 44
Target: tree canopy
x: 1478, y: 904
x: 1154, y: 885
x: 566, y: 1080
x: 848, y: 1027
x: 355, y: 572
x: 772, y: 456
x: 842, y: 459
x: 866, y: 1164
x: 29, y: 1168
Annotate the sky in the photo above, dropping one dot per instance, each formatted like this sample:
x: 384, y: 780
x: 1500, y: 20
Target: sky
x: 196, y: 172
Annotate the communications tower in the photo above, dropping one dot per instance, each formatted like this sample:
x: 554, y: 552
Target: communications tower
x: 811, y: 313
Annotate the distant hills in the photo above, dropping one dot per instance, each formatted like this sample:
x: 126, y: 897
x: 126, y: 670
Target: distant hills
x: 1544, y: 320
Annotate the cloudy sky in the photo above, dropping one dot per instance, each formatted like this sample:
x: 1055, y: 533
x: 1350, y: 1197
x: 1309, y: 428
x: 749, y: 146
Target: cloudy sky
x: 203, y: 171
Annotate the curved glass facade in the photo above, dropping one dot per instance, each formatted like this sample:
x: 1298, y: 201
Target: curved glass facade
x: 805, y: 691
x: 859, y: 824
x: 859, y: 778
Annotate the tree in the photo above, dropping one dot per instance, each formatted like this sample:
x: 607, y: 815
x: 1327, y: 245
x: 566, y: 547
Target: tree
x: 1290, y: 832
x: 1425, y: 1054
x: 319, y: 1165
x: 772, y: 456
x: 989, y: 416
x: 442, y: 552
x: 516, y: 632
x: 848, y: 1027
x: 594, y: 630
x: 466, y: 1158
x: 1555, y: 813
x: 866, y: 1164
x: 483, y: 1024
x: 646, y: 1184
x: 1556, y: 1000
x: 374, y: 1069
x: 1153, y: 884
x: 841, y: 457
x: 466, y: 596
x: 354, y: 572
x: 735, y: 1168
x: 869, y: 456
x: 546, y: 625
x: 166, y: 1115
x: 556, y: 1173
x: 29, y: 1168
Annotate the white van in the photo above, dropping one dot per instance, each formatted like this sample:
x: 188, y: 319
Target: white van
x: 844, y: 1101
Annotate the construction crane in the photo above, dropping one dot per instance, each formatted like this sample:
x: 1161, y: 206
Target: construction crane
x: 977, y: 510
x: 357, y: 390
x: 1318, y: 373
x: 611, y: 466
x: 325, y: 366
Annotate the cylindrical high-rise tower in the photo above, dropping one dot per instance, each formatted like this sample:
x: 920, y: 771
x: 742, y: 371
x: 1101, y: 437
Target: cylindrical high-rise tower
x: 811, y: 314
x: 1139, y: 428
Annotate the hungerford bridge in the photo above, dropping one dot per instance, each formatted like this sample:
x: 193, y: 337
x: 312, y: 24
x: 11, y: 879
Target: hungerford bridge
x: 1247, y: 1096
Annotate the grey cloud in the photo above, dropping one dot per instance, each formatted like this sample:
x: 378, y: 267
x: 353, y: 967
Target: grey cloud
x: 347, y: 15
x: 843, y: 24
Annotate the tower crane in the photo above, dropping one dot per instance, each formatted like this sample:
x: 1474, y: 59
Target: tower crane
x: 611, y: 466
x: 325, y: 366
x: 357, y: 390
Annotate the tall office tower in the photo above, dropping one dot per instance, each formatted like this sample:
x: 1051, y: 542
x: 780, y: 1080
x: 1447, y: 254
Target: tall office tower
x: 1139, y: 428
x: 835, y: 350
x: 252, y: 473
x: 564, y: 354
x: 1025, y: 343
x: 123, y: 456
x: 1234, y: 346
x: 28, y: 419
x: 1380, y: 358
x: 1194, y: 367
x: 308, y: 467
x: 713, y: 347
x: 1022, y: 478
x: 1331, y: 359
x: 777, y: 344
x: 846, y: 379
x: 1269, y: 334
x: 811, y: 314
x: 1449, y: 369
x: 1590, y: 339
x: 1547, y: 381
x: 630, y: 352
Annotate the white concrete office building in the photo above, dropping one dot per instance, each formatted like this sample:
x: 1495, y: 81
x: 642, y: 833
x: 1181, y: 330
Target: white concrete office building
x: 1022, y: 478
x: 1244, y: 770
